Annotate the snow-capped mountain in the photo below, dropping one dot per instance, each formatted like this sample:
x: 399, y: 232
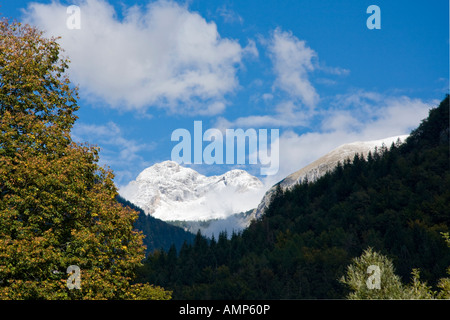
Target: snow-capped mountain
x: 324, y: 164
x: 171, y: 192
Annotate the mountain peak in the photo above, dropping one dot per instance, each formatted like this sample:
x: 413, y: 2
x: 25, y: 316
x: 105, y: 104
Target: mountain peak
x: 170, y: 191
x: 167, y: 169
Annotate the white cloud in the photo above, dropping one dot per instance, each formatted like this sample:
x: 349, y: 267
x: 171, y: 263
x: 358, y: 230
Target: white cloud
x: 355, y: 116
x: 286, y: 115
x: 267, y: 96
x: 229, y: 16
x: 372, y: 116
x: 375, y: 115
x: 250, y: 49
x: 162, y: 55
x: 333, y: 70
x: 292, y: 60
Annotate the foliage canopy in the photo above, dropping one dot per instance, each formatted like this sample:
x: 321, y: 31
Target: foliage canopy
x: 57, y: 205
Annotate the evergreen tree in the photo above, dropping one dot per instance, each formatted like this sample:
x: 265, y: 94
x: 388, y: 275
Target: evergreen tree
x: 396, y: 202
x: 158, y: 234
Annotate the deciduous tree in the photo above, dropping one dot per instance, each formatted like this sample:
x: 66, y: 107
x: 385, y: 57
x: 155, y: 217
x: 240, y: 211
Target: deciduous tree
x: 57, y: 205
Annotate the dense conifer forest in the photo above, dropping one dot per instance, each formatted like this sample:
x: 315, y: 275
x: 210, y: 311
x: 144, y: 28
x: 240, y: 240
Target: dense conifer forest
x: 159, y: 235
x: 397, y: 202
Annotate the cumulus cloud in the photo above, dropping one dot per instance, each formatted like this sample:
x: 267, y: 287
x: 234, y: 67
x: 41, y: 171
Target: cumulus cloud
x: 160, y: 55
x: 293, y: 95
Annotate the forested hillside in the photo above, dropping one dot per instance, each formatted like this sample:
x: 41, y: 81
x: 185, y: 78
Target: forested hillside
x: 157, y: 233
x: 397, y: 201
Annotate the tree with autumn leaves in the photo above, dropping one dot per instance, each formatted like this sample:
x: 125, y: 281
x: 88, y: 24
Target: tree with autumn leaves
x: 57, y: 205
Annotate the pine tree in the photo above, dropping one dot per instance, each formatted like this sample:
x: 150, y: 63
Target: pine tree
x: 57, y: 205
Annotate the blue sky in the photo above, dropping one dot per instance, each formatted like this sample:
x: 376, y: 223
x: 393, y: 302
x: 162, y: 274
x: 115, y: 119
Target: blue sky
x: 311, y: 69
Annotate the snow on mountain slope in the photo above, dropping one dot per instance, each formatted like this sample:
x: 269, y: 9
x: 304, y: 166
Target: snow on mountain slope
x: 170, y: 192
x: 324, y: 164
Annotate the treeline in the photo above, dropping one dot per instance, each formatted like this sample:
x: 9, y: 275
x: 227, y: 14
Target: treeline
x: 159, y: 235
x: 397, y: 201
